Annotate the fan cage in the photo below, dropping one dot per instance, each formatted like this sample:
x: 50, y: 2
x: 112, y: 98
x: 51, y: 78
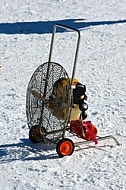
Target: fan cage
x: 37, y: 109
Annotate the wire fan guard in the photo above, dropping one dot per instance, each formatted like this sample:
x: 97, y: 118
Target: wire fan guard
x: 39, y: 93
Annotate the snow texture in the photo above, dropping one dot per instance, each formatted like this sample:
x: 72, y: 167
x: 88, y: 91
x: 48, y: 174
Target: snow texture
x: 25, y: 35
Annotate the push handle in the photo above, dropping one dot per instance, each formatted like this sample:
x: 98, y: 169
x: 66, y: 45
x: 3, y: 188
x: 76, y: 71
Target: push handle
x: 77, y: 46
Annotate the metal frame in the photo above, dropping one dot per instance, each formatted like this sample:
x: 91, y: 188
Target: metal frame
x: 77, y: 47
x: 72, y: 78
x: 71, y: 82
x: 73, y: 72
x: 98, y: 139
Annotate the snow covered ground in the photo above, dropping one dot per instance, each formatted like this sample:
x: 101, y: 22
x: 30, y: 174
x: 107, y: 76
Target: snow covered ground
x: 25, y: 34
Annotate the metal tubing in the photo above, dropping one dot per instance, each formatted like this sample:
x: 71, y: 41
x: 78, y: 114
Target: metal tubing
x: 99, y: 139
x: 77, y: 47
x: 74, y: 65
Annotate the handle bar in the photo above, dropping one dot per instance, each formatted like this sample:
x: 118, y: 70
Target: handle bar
x: 77, y: 46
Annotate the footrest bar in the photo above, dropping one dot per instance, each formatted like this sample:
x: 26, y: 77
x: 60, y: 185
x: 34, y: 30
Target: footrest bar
x: 98, y: 139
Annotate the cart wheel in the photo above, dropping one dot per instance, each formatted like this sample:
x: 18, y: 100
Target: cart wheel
x: 36, y: 134
x: 65, y: 147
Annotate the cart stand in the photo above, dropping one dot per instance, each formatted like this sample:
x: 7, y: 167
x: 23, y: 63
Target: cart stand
x: 74, y: 64
x: 42, y: 122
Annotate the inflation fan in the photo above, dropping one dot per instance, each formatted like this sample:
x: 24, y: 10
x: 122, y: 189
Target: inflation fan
x: 56, y: 103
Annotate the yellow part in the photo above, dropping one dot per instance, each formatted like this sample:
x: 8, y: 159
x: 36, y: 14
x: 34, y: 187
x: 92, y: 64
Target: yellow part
x: 75, y: 81
x: 75, y: 113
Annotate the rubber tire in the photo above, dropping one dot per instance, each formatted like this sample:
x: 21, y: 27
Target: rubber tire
x: 65, y: 147
x: 34, y: 134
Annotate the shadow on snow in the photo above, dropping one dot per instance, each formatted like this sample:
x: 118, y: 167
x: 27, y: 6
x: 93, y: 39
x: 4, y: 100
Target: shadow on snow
x: 26, y: 150
x: 42, y: 27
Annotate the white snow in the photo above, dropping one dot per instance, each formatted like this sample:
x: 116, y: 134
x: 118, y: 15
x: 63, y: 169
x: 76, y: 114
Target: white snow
x: 25, y: 35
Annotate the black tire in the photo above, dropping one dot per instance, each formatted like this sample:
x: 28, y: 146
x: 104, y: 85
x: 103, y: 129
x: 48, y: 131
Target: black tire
x: 65, y: 147
x: 36, y: 134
